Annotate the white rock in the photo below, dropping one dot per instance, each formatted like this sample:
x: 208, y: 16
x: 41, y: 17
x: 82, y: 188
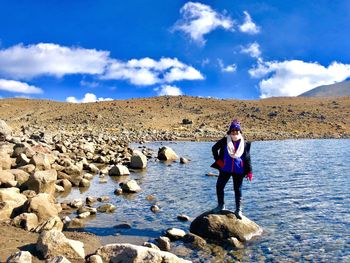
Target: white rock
x: 20, y: 257
x: 119, y: 170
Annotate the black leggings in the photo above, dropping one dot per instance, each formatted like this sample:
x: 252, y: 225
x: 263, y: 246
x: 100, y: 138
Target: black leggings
x: 237, y: 187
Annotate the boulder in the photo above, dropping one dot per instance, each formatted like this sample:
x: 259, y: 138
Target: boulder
x: 27, y: 221
x: 53, y: 223
x: 167, y: 154
x: 11, y: 202
x: 43, y: 205
x: 5, y: 130
x: 118, y: 170
x: 22, y: 160
x: 6, y: 179
x: 54, y: 243
x: 131, y: 253
x: 223, y: 226
x: 138, y: 160
x: 41, y: 161
x: 20, y: 176
x: 106, y: 208
x: 29, y: 168
x: 163, y: 243
x: 130, y: 186
x: 194, y: 240
x: 42, y: 181
x: 175, y: 233
x: 20, y: 257
x: 5, y: 161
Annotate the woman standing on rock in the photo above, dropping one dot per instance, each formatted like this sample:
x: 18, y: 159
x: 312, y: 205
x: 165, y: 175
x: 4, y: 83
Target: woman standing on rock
x: 232, y: 158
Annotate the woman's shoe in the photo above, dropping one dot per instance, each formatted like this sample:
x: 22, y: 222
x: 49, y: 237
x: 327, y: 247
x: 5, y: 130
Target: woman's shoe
x: 238, y: 214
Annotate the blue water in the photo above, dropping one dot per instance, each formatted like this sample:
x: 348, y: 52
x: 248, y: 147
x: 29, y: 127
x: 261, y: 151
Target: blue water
x: 299, y: 195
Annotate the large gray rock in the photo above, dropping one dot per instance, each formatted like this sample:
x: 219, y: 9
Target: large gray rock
x: 42, y: 181
x: 28, y: 221
x: 138, y: 160
x: 20, y: 257
x: 5, y: 130
x: 5, y: 161
x: 223, y: 226
x: 119, y: 170
x: 10, y: 198
x: 167, y: 154
x: 41, y: 161
x: 43, y: 205
x: 54, y: 243
x: 128, y: 253
x: 130, y: 186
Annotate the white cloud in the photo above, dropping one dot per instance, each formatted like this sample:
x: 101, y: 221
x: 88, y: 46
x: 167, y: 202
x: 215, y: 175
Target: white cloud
x: 147, y: 71
x: 293, y: 77
x: 18, y: 87
x: 199, y: 19
x: 229, y: 68
x: 92, y: 84
x: 167, y: 90
x: 25, y: 62
x: 89, y: 97
x: 249, y: 26
x: 252, y: 49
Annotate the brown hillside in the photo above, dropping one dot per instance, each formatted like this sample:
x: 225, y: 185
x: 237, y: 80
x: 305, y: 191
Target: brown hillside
x: 273, y: 118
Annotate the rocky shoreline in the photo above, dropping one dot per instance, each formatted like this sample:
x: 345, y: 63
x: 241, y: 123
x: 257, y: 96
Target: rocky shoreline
x: 38, y: 166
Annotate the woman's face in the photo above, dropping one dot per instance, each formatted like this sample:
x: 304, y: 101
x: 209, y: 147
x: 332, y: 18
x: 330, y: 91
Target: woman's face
x: 234, y: 132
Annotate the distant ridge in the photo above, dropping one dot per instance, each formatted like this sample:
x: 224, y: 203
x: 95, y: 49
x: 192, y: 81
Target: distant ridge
x: 334, y: 90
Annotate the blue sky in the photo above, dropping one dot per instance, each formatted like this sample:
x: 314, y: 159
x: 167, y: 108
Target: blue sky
x: 82, y: 51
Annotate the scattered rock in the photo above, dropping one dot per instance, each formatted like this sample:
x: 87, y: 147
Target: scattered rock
x: 183, y: 160
x: 130, y: 186
x: 167, y: 154
x: 118, y: 170
x: 138, y: 160
x: 106, y: 208
x: 163, y: 243
x: 175, y: 233
x: 155, y: 208
x: 20, y: 257
x: 183, y: 218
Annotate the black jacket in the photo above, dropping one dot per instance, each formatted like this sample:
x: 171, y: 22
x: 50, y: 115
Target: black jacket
x: 218, y: 150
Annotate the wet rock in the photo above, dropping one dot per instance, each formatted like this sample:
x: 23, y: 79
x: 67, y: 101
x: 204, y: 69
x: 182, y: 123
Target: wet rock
x: 90, y: 200
x: 84, y: 183
x: 42, y: 182
x: 183, y: 160
x: 223, y: 226
x: 54, y: 243
x: 132, y: 253
x: 118, y: 170
x: 27, y: 221
x: 163, y: 243
x: 123, y: 226
x: 85, y: 209
x: 106, y: 208
x: 20, y: 257
x: 84, y: 215
x: 194, y: 240
x: 183, y: 218
x: 155, y: 208
x: 130, y: 186
x: 76, y: 203
x: 138, y: 160
x: 235, y: 242
x: 118, y: 191
x: 175, y: 233
x: 167, y: 154
x: 103, y: 198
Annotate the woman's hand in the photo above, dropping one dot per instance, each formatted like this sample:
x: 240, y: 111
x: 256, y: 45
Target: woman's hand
x: 249, y: 176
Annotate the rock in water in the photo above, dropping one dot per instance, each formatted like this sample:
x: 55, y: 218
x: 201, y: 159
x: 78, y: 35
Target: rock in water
x: 225, y: 225
x: 132, y: 253
x: 167, y: 154
x: 138, y: 160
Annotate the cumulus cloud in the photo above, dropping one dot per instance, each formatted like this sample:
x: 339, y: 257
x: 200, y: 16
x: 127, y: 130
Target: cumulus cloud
x: 167, y: 90
x: 228, y: 69
x: 18, y: 87
x: 26, y: 62
x: 148, y: 71
x: 89, y: 97
x: 198, y: 20
x: 294, y: 77
x: 248, y: 25
x: 252, y: 49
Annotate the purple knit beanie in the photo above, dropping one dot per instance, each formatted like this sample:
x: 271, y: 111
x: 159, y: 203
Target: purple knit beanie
x: 235, y: 125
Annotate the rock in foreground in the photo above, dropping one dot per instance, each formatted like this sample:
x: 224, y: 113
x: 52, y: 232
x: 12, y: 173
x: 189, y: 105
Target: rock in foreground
x: 128, y: 253
x: 225, y: 225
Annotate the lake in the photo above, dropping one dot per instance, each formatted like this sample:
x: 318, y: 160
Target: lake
x: 299, y: 196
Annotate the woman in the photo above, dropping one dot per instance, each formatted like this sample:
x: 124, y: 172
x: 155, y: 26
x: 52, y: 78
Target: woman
x: 232, y: 158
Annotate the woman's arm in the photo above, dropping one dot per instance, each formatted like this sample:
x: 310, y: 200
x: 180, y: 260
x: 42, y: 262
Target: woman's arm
x: 216, y: 147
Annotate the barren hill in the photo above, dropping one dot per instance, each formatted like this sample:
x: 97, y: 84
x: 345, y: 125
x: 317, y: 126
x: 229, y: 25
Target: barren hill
x: 333, y: 90
x: 273, y: 118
